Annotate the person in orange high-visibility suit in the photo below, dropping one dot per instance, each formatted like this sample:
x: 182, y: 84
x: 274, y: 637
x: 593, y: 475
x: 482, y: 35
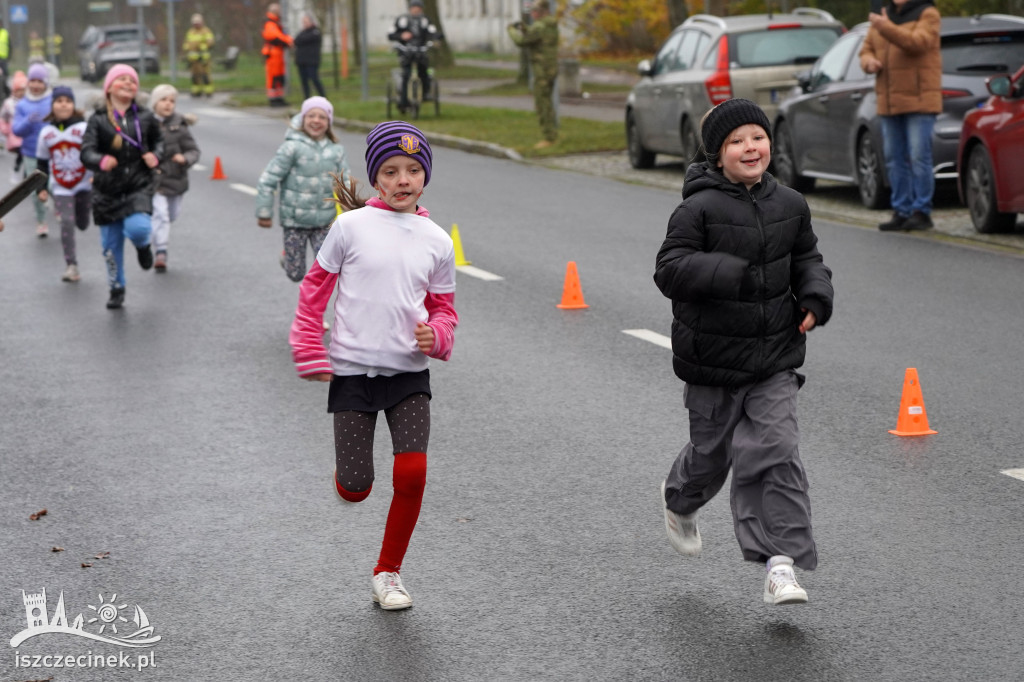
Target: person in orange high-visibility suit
x: 275, y: 42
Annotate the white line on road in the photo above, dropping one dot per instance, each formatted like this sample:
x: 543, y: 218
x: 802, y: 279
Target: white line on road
x: 1015, y: 473
x: 478, y: 273
x: 244, y: 189
x: 199, y: 167
x: 653, y: 337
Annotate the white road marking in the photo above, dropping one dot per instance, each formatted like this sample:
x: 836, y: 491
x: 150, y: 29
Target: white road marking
x: 199, y: 167
x: 244, y: 189
x: 1015, y: 473
x: 478, y: 273
x: 653, y: 337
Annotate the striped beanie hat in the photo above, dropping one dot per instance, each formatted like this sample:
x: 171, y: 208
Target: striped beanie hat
x: 393, y: 138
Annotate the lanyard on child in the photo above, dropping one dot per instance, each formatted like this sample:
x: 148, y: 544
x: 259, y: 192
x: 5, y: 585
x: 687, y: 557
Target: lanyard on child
x: 138, y: 131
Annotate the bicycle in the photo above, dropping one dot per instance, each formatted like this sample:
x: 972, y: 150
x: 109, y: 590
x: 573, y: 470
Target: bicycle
x: 415, y: 54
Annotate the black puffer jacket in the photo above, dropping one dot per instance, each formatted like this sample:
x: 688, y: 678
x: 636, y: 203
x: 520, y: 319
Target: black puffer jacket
x: 738, y: 267
x: 129, y: 187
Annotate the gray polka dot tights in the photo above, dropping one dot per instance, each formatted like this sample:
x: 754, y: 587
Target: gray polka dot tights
x: 409, y: 422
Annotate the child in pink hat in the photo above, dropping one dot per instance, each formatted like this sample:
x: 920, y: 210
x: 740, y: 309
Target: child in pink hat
x: 124, y: 136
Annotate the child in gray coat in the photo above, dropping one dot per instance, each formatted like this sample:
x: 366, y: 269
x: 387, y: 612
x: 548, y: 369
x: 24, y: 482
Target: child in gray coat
x: 180, y: 154
x: 302, y: 169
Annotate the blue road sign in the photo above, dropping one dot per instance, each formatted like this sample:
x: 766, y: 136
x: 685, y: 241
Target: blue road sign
x: 19, y: 14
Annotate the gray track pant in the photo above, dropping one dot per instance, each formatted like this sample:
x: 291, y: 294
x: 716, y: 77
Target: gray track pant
x: 753, y: 430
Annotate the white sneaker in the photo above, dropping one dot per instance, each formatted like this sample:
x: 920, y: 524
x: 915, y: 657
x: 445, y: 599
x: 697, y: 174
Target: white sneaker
x: 42, y: 230
x: 682, y: 530
x: 389, y: 592
x: 71, y: 274
x: 780, y: 585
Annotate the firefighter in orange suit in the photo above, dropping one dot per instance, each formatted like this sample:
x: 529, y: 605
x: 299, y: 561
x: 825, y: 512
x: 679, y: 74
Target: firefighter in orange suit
x: 275, y: 42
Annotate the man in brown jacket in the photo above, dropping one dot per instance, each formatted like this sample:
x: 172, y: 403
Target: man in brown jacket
x: 902, y: 49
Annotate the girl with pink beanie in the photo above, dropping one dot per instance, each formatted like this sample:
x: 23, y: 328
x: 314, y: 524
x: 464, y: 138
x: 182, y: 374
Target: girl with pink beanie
x: 122, y: 147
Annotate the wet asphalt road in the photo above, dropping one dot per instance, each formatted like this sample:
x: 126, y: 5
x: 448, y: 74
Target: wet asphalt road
x: 174, y: 435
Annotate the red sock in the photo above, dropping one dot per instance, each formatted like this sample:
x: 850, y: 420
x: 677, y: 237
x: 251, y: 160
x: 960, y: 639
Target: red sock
x: 410, y: 477
x: 348, y: 494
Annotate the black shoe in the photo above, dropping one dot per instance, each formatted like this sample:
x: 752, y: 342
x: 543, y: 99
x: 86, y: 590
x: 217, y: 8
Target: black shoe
x: 278, y: 102
x: 116, y: 299
x: 145, y: 256
x: 918, y: 221
x: 895, y: 224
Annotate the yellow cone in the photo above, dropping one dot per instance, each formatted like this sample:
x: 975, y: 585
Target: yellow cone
x: 460, y: 257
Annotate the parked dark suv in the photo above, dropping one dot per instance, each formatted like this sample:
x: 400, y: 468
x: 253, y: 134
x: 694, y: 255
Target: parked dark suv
x: 100, y: 47
x: 708, y: 60
x: 829, y: 128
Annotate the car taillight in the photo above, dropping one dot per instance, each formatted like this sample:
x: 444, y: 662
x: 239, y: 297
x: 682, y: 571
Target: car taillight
x: 151, y: 42
x: 955, y: 93
x: 719, y: 85
x: 105, y: 43
x: 774, y: 27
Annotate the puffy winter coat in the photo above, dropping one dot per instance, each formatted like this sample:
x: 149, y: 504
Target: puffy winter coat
x: 29, y: 113
x: 127, y: 188
x: 738, y: 266
x: 910, y: 81
x: 302, y: 169
x: 171, y: 176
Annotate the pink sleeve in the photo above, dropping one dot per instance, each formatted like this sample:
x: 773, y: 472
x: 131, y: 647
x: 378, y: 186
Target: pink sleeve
x: 443, y: 320
x: 306, y: 337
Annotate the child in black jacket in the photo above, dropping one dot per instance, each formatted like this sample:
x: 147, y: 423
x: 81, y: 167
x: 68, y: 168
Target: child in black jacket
x: 741, y: 265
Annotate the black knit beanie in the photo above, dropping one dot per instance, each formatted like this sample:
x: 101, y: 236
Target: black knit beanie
x: 727, y: 117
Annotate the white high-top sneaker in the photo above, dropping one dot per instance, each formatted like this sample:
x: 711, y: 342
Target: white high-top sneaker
x: 389, y: 592
x: 682, y: 531
x: 780, y: 585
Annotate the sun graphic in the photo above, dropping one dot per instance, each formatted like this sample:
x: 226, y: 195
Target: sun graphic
x: 108, y: 614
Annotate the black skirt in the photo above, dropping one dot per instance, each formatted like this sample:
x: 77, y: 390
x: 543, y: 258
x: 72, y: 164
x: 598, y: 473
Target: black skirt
x: 373, y: 394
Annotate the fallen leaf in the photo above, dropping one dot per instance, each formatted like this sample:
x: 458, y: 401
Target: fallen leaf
x: 37, y: 515
x: 103, y: 555
x: 464, y: 519
x: 57, y: 549
x: 85, y: 565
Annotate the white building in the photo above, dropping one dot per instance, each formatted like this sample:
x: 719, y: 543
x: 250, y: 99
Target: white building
x: 469, y: 25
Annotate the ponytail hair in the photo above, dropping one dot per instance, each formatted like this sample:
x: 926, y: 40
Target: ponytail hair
x: 345, y: 194
x: 117, y: 143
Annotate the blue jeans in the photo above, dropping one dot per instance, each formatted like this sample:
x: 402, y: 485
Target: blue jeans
x: 135, y: 227
x: 907, y: 142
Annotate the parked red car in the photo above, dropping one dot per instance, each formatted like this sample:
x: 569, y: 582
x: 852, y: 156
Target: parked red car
x: 992, y: 152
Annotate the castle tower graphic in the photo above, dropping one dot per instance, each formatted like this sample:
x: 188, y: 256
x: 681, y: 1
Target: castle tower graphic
x: 35, y: 608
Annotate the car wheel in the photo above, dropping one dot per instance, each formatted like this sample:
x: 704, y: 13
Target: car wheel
x: 691, y: 143
x: 981, y: 195
x: 869, y: 174
x: 639, y: 156
x: 784, y: 159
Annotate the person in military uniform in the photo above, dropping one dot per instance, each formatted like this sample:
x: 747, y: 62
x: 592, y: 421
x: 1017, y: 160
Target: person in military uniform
x: 540, y: 40
x: 197, y: 47
x: 415, y: 29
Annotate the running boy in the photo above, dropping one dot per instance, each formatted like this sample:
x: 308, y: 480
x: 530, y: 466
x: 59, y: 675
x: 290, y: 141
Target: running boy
x: 747, y: 283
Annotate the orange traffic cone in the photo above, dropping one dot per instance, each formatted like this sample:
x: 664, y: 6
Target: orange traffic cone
x: 218, y: 171
x: 913, y: 420
x: 572, y: 293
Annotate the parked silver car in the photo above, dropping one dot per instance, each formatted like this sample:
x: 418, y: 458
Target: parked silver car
x: 707, y: 60
x: 100, y: 47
